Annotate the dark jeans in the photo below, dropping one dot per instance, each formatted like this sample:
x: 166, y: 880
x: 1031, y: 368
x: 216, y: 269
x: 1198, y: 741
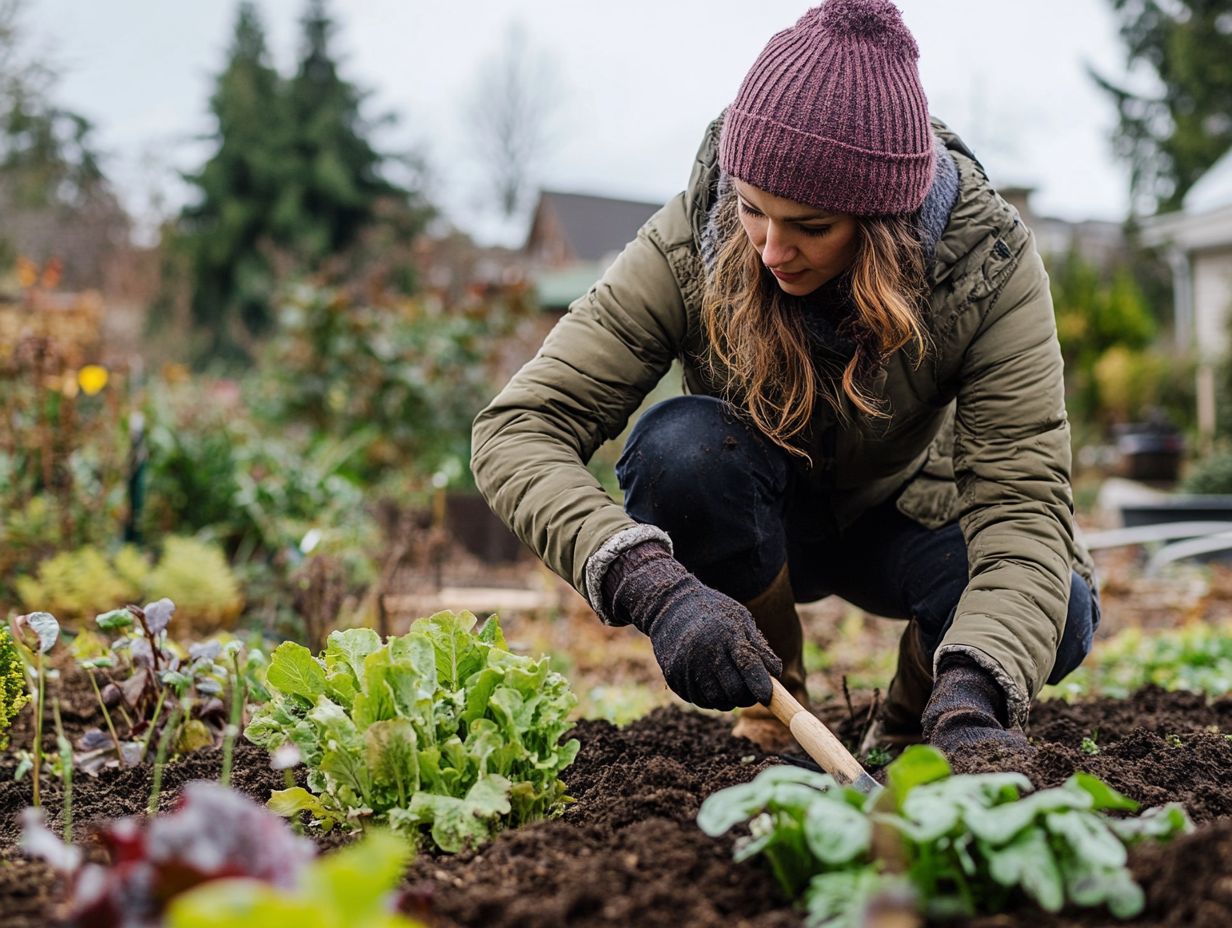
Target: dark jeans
x: 737, y: 510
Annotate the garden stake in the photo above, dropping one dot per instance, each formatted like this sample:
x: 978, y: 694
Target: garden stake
x: 818, y: 741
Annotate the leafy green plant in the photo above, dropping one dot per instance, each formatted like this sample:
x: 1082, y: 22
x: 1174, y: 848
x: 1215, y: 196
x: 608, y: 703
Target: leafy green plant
x: 961, y: 844
x: 440, y: 731
x: 349, y: 888
x: 12, y: 685
x: 1196, y: 657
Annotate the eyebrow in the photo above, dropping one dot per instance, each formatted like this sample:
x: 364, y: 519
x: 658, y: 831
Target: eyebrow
x: 811, y: 217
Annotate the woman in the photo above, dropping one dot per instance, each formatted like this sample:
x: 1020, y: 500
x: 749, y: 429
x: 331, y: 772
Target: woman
x: 875, y: 407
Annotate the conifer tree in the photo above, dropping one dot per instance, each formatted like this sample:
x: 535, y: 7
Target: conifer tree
x: 293, y: 187
x: 1170, y: 138
x: 226, y: 233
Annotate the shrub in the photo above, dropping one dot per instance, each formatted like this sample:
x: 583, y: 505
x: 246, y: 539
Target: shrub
x: 12, y: 685
x: 79, y: 584
x: 1212, y: 474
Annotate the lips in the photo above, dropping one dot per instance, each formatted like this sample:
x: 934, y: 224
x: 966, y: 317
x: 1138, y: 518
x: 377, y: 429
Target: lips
x: 784, y: 276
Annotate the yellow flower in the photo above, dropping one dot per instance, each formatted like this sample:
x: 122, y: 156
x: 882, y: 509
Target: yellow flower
x: 27, y: 273
x: 92, y: 378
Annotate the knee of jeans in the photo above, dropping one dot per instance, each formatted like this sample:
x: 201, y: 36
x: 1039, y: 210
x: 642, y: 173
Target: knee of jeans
x: 689, y: 442
x: 1081, y: 620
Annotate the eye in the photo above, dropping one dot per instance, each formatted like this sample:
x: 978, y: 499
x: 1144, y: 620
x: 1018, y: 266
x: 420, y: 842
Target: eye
x: 745, y: 208
x: 816, y: 230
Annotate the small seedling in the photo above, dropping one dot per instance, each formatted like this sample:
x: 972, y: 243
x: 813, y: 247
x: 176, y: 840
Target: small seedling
x: 1174, y: 741
x: 46, y: 632
x: 65, y: 748
x: 878, y: 757
x: 1089, y: 745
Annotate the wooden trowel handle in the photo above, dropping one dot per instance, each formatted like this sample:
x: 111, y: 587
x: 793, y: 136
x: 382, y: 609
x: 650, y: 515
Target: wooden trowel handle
x: 818, y: 741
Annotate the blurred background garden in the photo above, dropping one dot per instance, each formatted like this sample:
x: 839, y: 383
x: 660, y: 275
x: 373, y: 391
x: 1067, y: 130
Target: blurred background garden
x: 239, y: 357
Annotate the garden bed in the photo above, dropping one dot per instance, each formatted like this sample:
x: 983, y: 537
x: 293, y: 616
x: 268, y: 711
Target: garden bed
x: 627, y: 851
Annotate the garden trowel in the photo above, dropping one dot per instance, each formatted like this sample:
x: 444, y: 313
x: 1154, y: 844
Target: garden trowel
x: 818, y: 741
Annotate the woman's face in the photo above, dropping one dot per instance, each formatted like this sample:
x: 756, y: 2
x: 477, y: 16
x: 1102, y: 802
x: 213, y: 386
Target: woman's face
x: 802, y: 246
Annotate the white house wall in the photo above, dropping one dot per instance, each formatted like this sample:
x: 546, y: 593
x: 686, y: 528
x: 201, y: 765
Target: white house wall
x: 1212, y: 300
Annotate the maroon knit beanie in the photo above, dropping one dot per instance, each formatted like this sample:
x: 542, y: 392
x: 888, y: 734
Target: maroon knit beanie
x: 832, y: 114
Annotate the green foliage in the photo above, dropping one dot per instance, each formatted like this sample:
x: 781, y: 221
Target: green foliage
x: 1133, y: 384
x: 13, y: 694
x: 62, y: 460
x: 292, y: 181
x: 1197, y: 657
x: 84, y: 582
x: 77, y: 583
x: 1170, y: 139
x: 1211, y: 474
x: 440, y: 731
x: 1103, y: 318
x: 968, y: 843
x: 196, y: 576
x: 395, y: 383
x: 350, y: 888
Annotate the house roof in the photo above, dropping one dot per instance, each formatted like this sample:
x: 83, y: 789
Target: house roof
x: 1213, y: 189
x: 595, y: 227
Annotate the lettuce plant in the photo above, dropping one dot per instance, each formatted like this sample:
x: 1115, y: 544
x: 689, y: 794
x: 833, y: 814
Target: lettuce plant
x: 960, y: 845
x: 440, y: 731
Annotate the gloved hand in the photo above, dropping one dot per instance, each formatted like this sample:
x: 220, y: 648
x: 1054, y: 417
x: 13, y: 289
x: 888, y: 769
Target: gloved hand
x: 967, y: 709
x: 710, y: 650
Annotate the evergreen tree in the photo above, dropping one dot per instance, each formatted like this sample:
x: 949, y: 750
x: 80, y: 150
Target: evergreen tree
x: 1171, y: 139
x: 227, y: 232
x: 338, y: 188
x: 294, y: 186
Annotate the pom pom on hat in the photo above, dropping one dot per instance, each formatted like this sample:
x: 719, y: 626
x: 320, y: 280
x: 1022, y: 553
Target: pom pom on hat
x: 877, y: 22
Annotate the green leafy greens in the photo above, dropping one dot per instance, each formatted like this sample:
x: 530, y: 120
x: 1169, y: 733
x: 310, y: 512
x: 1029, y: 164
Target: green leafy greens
x: 441, y: 731
x: 960, y: 845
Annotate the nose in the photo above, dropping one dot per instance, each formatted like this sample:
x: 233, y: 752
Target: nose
x: 778, y: 249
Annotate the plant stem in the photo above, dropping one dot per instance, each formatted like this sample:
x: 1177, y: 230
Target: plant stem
x: 160, y: 758
x: 237, y: 717
x: 115, y: 739
x: 288, y: 779
x: 158, y: 711
x: 38, y: 730
x: 66, y: 773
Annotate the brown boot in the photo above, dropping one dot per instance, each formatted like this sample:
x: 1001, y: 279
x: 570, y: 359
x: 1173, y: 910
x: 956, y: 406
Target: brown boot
x: 898, y: 723
x: 774, y: 611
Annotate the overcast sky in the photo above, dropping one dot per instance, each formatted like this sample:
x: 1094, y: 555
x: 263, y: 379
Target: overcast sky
x: 636, y: 83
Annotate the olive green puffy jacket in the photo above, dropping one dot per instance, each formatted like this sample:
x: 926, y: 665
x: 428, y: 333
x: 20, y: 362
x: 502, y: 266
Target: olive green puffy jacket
x: 977, y: 431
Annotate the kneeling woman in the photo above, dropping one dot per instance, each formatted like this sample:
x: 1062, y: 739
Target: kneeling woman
x: 875, y: 407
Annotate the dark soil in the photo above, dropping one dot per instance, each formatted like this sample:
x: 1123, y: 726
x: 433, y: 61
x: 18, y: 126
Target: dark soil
x: 627, y: 851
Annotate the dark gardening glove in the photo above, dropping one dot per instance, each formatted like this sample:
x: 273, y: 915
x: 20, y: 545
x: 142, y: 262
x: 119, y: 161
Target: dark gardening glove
x: 709, y: 648
x: 967, y: 709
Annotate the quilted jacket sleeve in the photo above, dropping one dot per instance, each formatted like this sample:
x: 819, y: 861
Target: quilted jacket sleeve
x: 1012, y: 468
x: 532, y: 442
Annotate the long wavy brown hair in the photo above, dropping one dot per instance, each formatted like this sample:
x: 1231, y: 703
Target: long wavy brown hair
x: 759, y: 341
